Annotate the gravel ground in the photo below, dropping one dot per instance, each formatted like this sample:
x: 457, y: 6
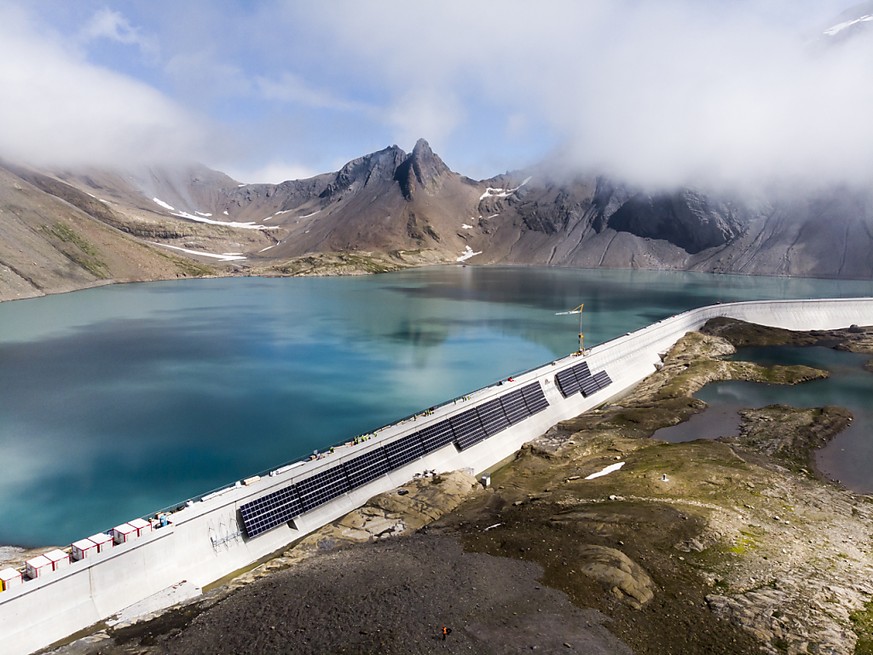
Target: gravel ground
x: 391, y: 597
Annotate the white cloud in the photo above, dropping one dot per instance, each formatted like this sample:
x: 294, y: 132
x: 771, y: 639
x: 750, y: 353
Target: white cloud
x: 58, y: 108
x: 424, y: 112
x: 202, y: 76
x: 664, y: 93
x: 112, y: 25
x: 273, y: 172
x: 292, y: 88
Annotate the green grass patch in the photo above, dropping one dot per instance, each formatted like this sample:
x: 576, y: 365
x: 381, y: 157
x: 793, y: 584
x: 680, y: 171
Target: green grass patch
x: 862, y: 624
x: 191, y: 268
x: 744, y: 543
x: 87, y: 255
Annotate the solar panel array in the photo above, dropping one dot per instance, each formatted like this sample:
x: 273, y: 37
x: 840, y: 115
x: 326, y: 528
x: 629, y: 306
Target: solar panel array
x: 271, y: 510
x: 492, y: 416
x: 435, y: 436
x: 579, y: 378
x: 464, y: 430
x: 467, y: 428
x: 322, y: 487
x: 514, y: 407
x: 603, y: 380
x: 404, y: 450
x: 569, y: 380
x: 534, y: 398
x: 367, y: 467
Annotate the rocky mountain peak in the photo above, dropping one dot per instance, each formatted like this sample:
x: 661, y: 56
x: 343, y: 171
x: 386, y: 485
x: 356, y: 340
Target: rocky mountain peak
x: 422, y: 169
x: 365, y: 170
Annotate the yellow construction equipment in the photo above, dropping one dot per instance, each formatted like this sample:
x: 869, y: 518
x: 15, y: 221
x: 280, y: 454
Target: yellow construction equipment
x: 576, y: 310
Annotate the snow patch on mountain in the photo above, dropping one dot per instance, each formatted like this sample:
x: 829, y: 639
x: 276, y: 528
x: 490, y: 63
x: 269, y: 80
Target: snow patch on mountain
x: 225, y: 257
x: 839, y: 27
x: 492, y: 192
x: 201, y: 217
x: 468, y: 252
x: 163, y: 204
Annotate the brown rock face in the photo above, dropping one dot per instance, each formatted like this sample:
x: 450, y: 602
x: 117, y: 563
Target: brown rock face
x: 628, y: 580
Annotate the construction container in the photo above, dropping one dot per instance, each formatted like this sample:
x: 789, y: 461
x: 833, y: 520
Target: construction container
x: 9, y: 578
x: 141, y: 526
x: 84, y: 548
x: 58, y: 558
x: 124, y: 533
x: 103, y: 541
x: 37, y: 567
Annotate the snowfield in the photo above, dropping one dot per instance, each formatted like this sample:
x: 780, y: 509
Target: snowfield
x: 225, y: 257
x: 202, y: 217
x: 467, y: 254
x: 839, y: 27
x: 612, y: 468
x: 492, y: 192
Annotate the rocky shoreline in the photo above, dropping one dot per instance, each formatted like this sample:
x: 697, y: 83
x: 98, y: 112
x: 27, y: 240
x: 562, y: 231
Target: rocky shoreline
x: 697, y: 547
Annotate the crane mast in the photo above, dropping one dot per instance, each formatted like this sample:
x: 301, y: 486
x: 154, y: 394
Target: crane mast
x: 576, y: 310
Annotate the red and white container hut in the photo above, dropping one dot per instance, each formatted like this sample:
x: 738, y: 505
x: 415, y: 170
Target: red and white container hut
x: 37, y: 567
x: 84, y: 548
x: 103, y: 541
x: 9, y: 578
x: 142, y: 526
x: 58, y: 558
x: 124, y: 533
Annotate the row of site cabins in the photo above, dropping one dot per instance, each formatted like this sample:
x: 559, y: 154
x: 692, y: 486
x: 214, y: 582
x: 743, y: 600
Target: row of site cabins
x: 101, y: 542
x: 56, y: 559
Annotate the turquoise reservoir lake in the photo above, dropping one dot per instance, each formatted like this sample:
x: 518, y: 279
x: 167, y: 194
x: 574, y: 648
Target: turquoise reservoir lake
x: 117, y: 401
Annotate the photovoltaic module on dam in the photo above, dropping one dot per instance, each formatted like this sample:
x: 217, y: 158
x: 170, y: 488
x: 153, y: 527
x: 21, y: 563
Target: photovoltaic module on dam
x: 464, y: 430
x: 579, y: 378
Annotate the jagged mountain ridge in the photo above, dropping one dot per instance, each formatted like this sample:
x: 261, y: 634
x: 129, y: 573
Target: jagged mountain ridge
x: 405, y: 209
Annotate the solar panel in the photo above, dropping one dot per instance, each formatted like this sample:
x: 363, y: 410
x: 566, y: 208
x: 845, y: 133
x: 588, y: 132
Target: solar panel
x: 268, y: 511
x: 465, y: 429
x: 404, y: 450
x: 467, y: 426
x: 322, y: 487
x: 567, y: 383
x: 589, y: 387
x: 435, y: 436
x: 581, y: 371
x: 470, y: 439
x: 514, y: 407
x: 492, y: 417
x: 534, y: 398
x: 366, y: 468
x: 603, y: 380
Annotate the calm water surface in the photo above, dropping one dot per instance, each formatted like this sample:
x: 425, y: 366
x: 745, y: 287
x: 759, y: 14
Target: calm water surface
x: 848, y: 458
x: 117, y: 401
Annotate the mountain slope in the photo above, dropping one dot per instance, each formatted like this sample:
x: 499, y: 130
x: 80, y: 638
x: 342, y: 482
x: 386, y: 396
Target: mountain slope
x: 592, y: 223
x: 48, y: 244
x: 62, y: 230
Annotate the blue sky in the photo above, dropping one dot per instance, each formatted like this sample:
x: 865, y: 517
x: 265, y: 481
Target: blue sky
x: 658, y: 91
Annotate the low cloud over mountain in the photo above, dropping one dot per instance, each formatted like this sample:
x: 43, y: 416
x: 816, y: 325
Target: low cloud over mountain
x: 730, y: 94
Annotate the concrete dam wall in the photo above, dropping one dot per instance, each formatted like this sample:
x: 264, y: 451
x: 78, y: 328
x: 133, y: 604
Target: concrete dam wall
x: 224, y: 531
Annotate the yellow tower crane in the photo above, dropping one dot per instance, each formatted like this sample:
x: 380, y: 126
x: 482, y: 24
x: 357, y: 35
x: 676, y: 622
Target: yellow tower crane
x: 576, y: 310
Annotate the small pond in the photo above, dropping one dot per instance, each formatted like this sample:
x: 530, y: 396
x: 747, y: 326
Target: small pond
x: 847, y: 458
